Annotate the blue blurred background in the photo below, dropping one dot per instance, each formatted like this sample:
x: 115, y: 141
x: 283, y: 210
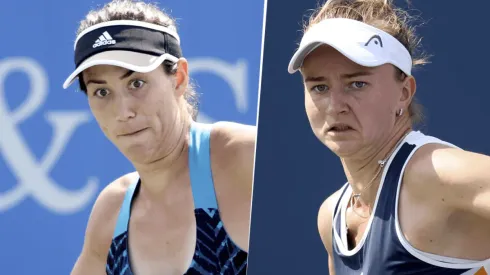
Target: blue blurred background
x: 54, y: 160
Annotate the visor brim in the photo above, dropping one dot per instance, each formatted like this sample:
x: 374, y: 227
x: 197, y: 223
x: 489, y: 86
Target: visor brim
x: 134, y: 61
x: 354, y: 52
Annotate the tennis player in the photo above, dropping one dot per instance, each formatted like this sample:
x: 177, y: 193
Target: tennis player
x: 413, y: 204
x: 186, y: 208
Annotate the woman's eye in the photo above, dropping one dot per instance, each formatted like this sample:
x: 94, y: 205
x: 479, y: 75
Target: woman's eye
x: 136, y: 84
x: 101, y: 93
x: 358, y: 84
x: 320, y: 88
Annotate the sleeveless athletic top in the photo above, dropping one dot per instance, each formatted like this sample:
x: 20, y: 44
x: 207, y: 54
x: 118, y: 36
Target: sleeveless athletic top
x: 383, y: 248
x: 215, y: 252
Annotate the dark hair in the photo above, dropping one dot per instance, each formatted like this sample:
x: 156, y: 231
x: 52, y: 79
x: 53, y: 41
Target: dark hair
x: 383, y: 15
x: 145, y: 12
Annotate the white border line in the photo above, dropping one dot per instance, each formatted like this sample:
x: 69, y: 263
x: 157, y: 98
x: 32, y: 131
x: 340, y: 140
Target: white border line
x: 264, y: 19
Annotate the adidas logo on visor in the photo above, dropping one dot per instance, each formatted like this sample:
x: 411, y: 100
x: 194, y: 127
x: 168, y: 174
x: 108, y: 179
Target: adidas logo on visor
x: 104, y: 39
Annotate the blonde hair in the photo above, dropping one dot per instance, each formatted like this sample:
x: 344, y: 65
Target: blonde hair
x: 383, y: 15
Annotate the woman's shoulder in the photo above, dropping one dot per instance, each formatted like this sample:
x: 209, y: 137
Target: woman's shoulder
x: 229, y: 129
x: 104, y: 214
x: 432, y: 168
x: 232, y: 139
x: 232, y: 151
x: 421, y: 139
x: 325, y: 218
x: 113, y: 194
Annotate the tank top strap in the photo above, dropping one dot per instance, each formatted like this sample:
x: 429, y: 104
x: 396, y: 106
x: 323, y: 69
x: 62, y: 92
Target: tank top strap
x: 124, y: 212
x: 337, y: 204
x: 200, y: 166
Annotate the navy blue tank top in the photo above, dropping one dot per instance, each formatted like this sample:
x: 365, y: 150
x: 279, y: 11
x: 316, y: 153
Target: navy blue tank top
x: 215, y: 252
x: 383, y: 249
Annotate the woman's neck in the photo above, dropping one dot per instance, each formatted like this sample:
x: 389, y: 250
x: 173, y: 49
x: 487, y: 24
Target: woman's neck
x: 364, y: 174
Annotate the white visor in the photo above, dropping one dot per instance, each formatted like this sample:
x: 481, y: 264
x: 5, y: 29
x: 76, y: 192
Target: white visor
x: 360, y: 42
x: 134, y: 61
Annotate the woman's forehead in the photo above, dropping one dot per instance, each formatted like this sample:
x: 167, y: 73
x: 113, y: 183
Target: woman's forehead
x: 346, y: 70
x: 326, y: 57
x: 99, y: 70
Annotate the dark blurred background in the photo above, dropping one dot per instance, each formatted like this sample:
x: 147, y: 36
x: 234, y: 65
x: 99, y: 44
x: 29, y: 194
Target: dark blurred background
x: 295, y: 173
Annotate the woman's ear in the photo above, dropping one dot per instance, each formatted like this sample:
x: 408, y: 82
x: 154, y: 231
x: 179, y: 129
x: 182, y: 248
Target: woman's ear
x: 409, y: 87
x: 181, y: 77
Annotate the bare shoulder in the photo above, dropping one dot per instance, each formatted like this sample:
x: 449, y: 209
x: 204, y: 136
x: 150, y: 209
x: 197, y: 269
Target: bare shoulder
x: 421, y: 173
x: 422, y: 160
x: 103, y: 218
x: 325, y: 215
x: 453, y: 175
x: 431, y: 168
x: 233, y: 136
x: 100, y: 227
x: 233, y: 146
x: 232, y: 158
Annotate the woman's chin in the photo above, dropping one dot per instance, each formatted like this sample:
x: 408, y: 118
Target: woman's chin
x: 138, y: 153
x: 342, y: 148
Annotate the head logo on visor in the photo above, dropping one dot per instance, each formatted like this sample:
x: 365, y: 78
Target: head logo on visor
x: 134, y: 45
x: 376, y: 40
x: 360, y: 42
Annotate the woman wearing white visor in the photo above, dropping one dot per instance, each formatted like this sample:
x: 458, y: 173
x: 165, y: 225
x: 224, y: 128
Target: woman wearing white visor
x: 413, y: 204
x: 164, y: 218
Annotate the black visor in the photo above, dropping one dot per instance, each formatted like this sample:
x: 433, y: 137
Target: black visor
x: 134, y: 45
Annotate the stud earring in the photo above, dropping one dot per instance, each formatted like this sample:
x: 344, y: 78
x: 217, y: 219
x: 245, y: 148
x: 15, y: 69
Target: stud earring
x: 400, y: 112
